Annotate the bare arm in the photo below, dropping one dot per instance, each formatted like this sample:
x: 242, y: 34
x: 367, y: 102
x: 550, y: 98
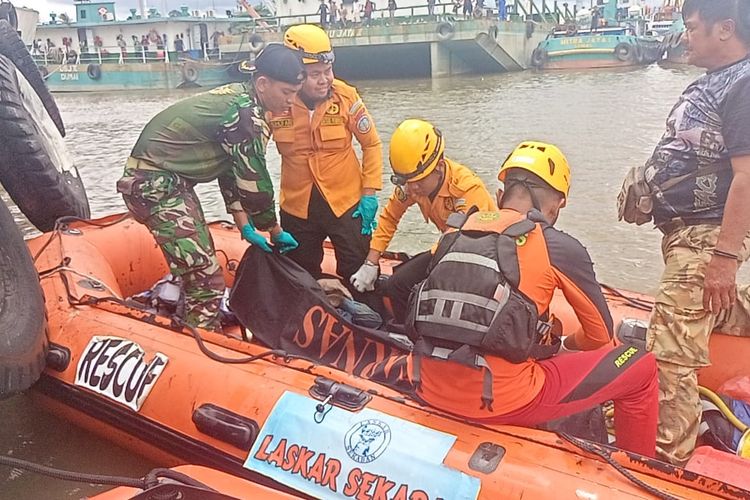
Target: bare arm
x: 719, y: 291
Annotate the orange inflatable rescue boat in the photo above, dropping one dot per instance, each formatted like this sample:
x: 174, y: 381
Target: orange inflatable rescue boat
x: 295, y: 425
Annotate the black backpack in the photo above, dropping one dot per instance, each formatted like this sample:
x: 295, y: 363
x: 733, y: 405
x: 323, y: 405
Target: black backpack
x: 469, y: 305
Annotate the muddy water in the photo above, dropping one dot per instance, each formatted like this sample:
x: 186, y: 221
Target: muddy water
x: 605, y: 121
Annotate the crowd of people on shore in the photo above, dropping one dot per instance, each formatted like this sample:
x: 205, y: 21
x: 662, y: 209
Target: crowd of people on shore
x: 476, y: 304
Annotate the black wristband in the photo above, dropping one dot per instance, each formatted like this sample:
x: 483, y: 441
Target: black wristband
x: 721, y: 253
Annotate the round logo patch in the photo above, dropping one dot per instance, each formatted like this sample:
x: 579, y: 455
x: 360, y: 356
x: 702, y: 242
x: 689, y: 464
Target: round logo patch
x: 364, y: 124
x: 367, y: 440
x: 400, y: 194
x: 448, y: 203
x: 333, y: 109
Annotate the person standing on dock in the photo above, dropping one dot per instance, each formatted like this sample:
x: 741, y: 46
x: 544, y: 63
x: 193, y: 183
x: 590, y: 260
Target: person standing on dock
x: 438, y: 186
x: 696, y: 188
x: 326, y: 191
x: 220, y: 134
x: 323, y: 11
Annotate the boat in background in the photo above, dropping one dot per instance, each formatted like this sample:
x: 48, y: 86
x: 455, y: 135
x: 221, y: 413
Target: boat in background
x: 597, y: 40
x: 673, y: 46
x: 97, y: 52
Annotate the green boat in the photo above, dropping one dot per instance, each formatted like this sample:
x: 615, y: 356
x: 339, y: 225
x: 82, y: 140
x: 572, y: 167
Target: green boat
x: 602, y: 43
x: 97, y: 52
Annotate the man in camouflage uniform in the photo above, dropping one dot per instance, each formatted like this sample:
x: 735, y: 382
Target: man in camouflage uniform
x: 220, y: 134
x: 699, y: 179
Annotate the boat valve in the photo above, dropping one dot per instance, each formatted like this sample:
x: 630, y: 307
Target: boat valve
x: 331, y: 393
x: 321, y: 407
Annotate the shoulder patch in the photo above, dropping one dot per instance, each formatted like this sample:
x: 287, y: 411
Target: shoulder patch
x: 400, y: 194
x: 356, y: 106
x: 364, y: 124
x: 223, y: 90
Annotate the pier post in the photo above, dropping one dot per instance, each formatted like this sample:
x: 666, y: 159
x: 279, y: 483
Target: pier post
x: 444, y: 63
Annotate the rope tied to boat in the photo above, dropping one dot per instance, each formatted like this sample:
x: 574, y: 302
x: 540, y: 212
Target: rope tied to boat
x: 604, y: 454
x: 150, y: 480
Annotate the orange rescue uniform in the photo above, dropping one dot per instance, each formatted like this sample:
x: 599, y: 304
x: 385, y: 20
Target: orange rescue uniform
x: 548, y: 259
x: 461, y: 189
x: 316, y: 149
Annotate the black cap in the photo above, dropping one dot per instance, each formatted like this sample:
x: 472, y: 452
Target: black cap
x: 278, y: 62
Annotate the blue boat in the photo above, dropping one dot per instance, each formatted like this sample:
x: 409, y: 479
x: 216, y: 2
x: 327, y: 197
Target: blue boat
x: 602, y: 43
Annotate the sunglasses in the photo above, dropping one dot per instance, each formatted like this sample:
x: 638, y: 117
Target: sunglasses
x: 324, y: 57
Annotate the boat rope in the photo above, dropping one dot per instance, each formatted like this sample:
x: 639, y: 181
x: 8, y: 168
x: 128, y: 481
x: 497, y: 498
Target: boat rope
x: 144, y: 483
x: 62, y: 267
x: 636, y: 302
x: 61, y: 224
x: 606, y: 456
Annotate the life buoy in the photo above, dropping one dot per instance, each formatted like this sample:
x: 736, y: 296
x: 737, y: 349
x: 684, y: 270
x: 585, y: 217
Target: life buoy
x: 539, y: 57
x: 12, y: 47
x: 624, y: 51
x: 445, y: 30
x: 493, y: 32
x: 256, y: 43
x: 36, y: 169
x: 676, y: 40
x: 189, y: 72
x: 94, y: 71
x: 23, y: 343
x: 571, y: 30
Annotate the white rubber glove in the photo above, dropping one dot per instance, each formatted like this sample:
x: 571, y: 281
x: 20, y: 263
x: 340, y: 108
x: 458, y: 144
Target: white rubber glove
x: 364, y: 279
x: 563, y: 349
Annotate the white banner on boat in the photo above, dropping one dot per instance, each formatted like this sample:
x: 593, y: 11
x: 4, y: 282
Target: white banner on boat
x: 117, y: 368
x: 367, y: 454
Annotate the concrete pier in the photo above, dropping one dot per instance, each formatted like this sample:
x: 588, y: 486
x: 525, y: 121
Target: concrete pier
x: 433, y: 48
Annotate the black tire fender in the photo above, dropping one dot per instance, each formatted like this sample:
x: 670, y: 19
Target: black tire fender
x: 8, y: 12
x: 12, y: 47
x: 623, y: 51
x: 493, y: 32
x: 35, y: 167
x: 189, y: 72
x: 639, y: 55
x: 23, y: 340
x: 445, y: 30
x: 539, y: 57
x: 94, y: 71
x: 256, y: 43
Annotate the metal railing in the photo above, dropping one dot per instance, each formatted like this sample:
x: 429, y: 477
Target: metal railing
x: 121, y: 55
x: 544, y: 11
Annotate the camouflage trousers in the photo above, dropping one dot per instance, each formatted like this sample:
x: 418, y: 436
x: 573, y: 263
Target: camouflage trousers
x: 679, y: 331
x: 167, y: 204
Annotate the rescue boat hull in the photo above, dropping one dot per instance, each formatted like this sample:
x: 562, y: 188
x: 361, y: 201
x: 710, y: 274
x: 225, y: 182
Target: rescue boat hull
x: 134, y: 378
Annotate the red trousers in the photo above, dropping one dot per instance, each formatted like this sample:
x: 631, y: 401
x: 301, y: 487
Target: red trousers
x: 579, y: 381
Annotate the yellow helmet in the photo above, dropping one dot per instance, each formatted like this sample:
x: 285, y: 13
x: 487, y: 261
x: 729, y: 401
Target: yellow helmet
x: 543, y: 160
x: 415, y: 150
x: 312, y: 42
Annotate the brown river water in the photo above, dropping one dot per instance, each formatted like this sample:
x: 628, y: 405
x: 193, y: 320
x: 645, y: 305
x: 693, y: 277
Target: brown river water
x: 604, y: 121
